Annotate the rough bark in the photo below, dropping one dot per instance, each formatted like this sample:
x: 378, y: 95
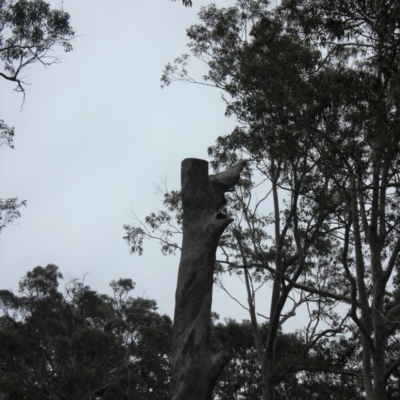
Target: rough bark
x: 195, y: 368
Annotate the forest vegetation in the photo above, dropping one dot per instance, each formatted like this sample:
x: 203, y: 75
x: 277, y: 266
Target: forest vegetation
x: 314, y: 86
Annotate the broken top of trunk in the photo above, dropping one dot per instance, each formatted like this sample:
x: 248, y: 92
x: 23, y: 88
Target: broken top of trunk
x: 194, y: 368
x: 226, y: 181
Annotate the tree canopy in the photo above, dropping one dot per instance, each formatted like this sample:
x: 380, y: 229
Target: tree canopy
x: 75, y: 343
x: 64, y: 340
x: 29, y: 30
x: 314, y: 87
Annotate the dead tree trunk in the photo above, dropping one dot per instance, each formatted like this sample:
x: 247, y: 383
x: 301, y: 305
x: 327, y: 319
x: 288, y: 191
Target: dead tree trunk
x: 195, y: 368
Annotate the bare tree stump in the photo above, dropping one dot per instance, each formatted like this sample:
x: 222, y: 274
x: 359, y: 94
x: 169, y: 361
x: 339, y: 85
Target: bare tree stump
x: 194, y: 368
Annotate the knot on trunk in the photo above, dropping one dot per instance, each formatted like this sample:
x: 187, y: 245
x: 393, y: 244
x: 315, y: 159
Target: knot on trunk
x: 216, y: 226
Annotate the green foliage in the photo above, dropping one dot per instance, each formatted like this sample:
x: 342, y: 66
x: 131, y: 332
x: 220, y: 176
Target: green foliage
x: 6, y: 135
x: 161, y: 226
x: 8, y: 207
x: 241, y: 378
x: 301, y: 377
x: 314, y: 86
x: 29, y: 30
x: 9, y: 211
x: 79, y: 344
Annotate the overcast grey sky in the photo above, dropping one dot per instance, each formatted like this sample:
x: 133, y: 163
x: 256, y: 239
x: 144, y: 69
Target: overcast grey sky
x: 95, y: 134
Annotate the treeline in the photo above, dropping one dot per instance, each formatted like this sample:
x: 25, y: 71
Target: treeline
x: 79, y: 344
x: 70, y: 342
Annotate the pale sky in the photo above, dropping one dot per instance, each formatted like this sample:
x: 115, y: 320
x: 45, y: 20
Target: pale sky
x: 95, y: 134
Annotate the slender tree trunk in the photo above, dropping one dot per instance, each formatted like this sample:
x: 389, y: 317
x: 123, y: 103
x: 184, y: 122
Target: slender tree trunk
x: 269, y: 386
x: 195, y: 368
x: 365, y: 321
x: 374, y: 335
x: 268, y: 389
x: 379, y: 373
x: 380, y: 338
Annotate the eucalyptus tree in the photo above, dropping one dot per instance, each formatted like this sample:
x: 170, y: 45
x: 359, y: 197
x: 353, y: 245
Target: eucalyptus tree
x: 241, y: 378
x: 314, y: 87
x: 75, y: 343
x: 297, y: 248
x: 79, y: 344
x: 366, y: 141
x: 29, y: 31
